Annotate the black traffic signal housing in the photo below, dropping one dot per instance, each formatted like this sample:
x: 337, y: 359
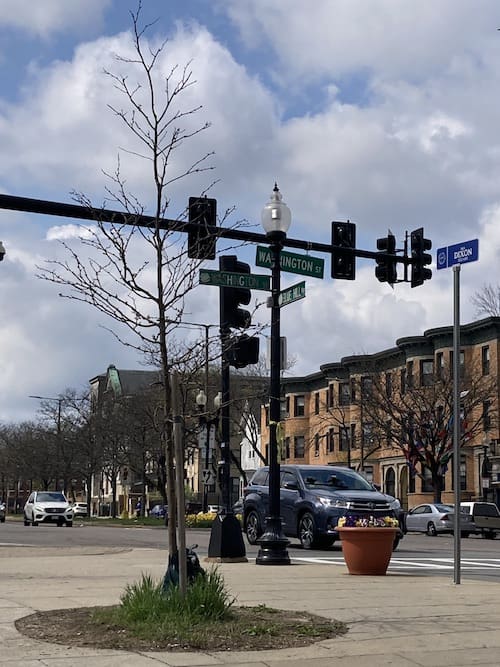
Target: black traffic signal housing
x: 419, y: 257
x: 343, y: 263
x: 231, y: 315
x: 386, y: 270
x: 243, y: 351
x: 202, y: 217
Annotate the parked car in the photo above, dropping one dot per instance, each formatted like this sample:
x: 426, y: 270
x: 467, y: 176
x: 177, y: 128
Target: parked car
x: 48, y: 507
x: 312, y: 500
x: 79, y: 509
x: 159, y: 511
x: 2, y: 511
x: 486, y: 518
x: 238, y: 506
x: 437, y: 518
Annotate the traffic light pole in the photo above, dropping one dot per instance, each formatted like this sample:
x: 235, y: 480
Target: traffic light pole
x: 226, y: 539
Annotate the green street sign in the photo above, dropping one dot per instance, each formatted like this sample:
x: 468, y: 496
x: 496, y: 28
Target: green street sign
x: 292, y: 263
x: 229, y: 279
x: 293, y: 293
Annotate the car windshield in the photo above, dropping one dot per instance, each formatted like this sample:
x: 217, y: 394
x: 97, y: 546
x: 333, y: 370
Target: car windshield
x: 50, y: 496
x: 337, y: 480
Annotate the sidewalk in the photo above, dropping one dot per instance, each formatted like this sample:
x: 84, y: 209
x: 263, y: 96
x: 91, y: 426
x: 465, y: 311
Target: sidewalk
x: 398, y: 620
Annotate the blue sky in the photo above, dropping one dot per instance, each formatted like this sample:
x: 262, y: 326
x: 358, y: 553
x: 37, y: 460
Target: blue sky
x: 384, y: 113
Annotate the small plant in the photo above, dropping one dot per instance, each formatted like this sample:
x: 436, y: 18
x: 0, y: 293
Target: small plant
x: 368, y: 521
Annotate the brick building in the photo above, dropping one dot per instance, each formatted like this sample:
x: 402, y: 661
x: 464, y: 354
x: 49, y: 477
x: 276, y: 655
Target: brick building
x: 328, y: 416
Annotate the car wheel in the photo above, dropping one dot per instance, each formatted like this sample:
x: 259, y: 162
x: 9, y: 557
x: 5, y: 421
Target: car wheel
x: 396, y: 542
x: 431, y: 529
x: 307, y: 530
x: 466, y: 535
x: 489, y: 534
x: 2, y: 520
x: 34, y: 523
x: 253, y: 527
x: 26, y: 521
x: 69, y: 524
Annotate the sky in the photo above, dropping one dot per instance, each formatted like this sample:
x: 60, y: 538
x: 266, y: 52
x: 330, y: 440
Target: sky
x: 383, y: 113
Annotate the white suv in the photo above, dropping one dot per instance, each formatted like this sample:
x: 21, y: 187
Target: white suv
x: 48, y: 507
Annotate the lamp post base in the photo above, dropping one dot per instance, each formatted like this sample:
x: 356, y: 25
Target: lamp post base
x: 226, y: 541
x: 273, y: 545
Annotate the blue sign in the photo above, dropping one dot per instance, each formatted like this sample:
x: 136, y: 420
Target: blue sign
x: 460, y: 253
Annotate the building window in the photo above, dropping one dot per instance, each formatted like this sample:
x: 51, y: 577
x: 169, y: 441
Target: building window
x: 284, y: 407
x: 316, y: 444
x: 331, y: 441
x: 353, y: 435
x: 388, y: 385
x: 427, y: 481
x: 299, y: 406
x: 367, y: 433
x: 463, y: 472
x: 462, y: 362
x: 426, y: 373
x: 353, y: 391
x: 485, y: 359
x: 440, y: 365
x: 299, y: 446
x: 390, y: 482
x: 486, y: 415
x: 267, y: 415
x: 366, y: 386
x: 344, y: 393
x: 344, y: 439
x: 287, y: 448
x: 409, y: 374
x: 316, y: 403
x: 330, y: 396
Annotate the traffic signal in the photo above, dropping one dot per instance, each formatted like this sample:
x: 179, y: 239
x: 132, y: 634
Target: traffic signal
x: 243, y: 351
x: 231, y: 315
x: 386, y: 270
x: 343, y: 263
x: 419, y: 257
x: 202, y: 235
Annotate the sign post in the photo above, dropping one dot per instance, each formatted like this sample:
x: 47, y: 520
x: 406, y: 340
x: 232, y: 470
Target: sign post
x: 455, y: 255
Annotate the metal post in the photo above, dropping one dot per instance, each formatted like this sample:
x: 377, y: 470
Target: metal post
x: 273, y: 543
x: 456, y: 420
x: 226, y: 539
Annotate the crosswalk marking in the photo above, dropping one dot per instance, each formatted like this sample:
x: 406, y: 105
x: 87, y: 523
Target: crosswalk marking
x: 417, y: 563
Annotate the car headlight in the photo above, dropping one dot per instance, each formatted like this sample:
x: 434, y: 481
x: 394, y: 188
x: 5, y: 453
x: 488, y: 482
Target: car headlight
x: 395, y: 504
x: 326, y: 501
x: 38, y: 509
x: 342, y: 503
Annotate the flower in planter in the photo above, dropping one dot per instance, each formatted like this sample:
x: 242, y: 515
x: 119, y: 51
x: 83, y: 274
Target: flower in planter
x: 368, y: 521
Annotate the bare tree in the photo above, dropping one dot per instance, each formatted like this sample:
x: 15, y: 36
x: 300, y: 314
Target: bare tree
x: 139, y: 277
x: 418, y: 420
x: 487, y: 300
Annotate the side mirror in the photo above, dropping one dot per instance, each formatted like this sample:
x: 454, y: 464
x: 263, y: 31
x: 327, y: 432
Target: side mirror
x: 291, y: 486
x: 377, y: 487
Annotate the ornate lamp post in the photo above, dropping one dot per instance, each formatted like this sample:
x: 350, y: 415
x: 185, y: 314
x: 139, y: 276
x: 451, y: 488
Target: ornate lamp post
x: 276, y: 218
x: 201, y: 401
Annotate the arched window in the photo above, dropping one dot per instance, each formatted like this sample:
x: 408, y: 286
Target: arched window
x: 390, y: 482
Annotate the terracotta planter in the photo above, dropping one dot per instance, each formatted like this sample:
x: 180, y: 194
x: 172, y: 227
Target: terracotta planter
x: 367, y: 550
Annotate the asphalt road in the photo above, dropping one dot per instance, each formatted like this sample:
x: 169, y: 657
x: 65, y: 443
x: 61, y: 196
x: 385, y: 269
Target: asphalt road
x: 418, y: 554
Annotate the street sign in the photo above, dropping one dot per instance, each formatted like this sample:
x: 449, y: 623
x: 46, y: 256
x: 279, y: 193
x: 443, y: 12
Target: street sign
x: 293, y: 293
x: 460, y: 253
x: 229, y: 279
x: 208, y: 477
x: 292, y: 263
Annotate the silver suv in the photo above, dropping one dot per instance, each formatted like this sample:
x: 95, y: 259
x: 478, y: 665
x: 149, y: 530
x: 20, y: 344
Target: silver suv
x: 48, y: 507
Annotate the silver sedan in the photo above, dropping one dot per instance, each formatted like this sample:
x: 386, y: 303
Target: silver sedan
x: 435, y: 518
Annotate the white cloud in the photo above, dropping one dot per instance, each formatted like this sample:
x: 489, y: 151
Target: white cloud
x: 44, y: 17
